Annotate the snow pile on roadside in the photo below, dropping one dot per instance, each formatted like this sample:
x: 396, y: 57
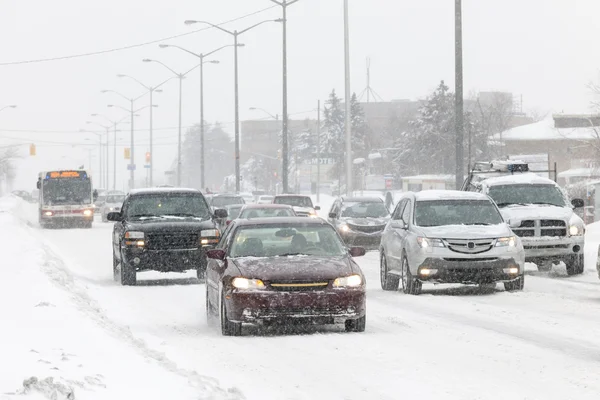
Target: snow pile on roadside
x: 57, y: 344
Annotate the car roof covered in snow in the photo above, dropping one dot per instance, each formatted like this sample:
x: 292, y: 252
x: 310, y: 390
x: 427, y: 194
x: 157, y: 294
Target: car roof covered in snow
x: 281, y: 221
x: 431, y: 195
x: 362, y: 199
x: 518, y: 179
x: 159, y: 190
x: 263, y: 206
x: 292, y: 195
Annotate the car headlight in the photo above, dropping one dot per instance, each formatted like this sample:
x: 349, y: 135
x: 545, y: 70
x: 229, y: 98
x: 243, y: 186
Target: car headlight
x: 344, y: 228
x: 134, y: 235
x: 244, y: 283
x: 111, y: 208
x: 427, y: 242
x: 348, y: 281
x: 87, y: 213
x: 510, y: 241
x: 576, y: 230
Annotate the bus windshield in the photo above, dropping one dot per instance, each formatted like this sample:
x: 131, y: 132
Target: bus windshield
x: 66, y: 191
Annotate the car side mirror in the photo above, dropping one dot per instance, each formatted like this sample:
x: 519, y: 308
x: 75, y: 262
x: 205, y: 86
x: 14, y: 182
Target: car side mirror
x: 216, y: 254
x: 220, y: 213
x: 357, y: 251
x: 95, y: 194
x: 513, y: 223
x: 317, y: 208
x: 114, y: 216
x: 398, y: 224
x: 577, y: 203
x: 39, y: 185
x: 332, y: 215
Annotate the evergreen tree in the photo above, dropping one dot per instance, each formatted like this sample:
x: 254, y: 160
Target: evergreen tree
x: 360, y: 135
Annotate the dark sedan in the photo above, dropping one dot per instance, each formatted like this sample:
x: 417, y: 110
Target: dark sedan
x: 360, y: 221
x: 167, y: 230
x: 284, y: 269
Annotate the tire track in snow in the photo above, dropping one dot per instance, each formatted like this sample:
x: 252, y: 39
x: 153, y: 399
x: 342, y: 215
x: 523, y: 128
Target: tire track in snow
x: 57, y: 271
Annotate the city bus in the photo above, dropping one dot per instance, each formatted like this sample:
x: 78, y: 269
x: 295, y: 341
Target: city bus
x: 66, y: 199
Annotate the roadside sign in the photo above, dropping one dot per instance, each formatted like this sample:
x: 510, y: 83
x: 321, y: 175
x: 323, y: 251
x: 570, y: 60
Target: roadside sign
x: 147, y: 166
x: 130, y: 167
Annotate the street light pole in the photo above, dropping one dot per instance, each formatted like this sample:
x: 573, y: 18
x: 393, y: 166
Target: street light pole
x: 318, y: 149
x: 284, y: 126
x: 131, y: 153
x: 459, y: 127
x: 235, y: 35
x: 179, y: 133
x: 348, y: 101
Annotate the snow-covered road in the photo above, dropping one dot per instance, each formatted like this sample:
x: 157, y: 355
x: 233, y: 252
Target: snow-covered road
x: 449, y: 343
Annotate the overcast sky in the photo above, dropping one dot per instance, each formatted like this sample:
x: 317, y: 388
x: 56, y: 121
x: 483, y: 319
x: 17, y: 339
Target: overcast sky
x: 544, y: 50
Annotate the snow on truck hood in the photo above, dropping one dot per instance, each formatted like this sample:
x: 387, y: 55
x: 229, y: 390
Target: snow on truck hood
x: 465, y: 231
x: 516, y: 213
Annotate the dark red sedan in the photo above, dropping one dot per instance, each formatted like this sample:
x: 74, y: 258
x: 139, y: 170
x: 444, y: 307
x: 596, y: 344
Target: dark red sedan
x: 284, y: 269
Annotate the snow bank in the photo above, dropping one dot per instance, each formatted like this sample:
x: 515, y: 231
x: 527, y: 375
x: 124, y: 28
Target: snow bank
x: 56, y: 343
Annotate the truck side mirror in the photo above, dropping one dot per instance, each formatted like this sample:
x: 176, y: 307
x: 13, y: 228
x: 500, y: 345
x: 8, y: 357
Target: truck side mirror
x: 577, y: 203
x: 332, y: 215
x: 39, y: 185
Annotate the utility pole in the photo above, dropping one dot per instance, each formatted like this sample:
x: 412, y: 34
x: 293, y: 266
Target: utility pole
x: 115, y: 158
x: 179, y: 132
x: 318, y: 150
x: 348, y: 101
x: 459, y: 93
x: 132, y: 159
x: 107, y: 158
x: 150, y: 175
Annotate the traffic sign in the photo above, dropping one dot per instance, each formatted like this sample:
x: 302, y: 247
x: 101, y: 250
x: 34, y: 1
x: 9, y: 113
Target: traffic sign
x: 147, y: 166
x: 131, y: 167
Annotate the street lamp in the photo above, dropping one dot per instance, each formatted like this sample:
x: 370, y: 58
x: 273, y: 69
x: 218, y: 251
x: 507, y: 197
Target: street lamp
x: 114, y: 124
x: 151, y: 90
x: 180, y: 77
x: 275, y: 117
x: 284, y: 142
x: 235, y: 35
x: 131, y: 164
x: 107, y: 128
x: 201, y: 57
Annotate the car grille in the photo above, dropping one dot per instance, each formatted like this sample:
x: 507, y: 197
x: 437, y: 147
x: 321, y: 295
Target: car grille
x: 366, y: 228
x: 541, y: 228
x: 302, y: 214
x: 474, y: 246
x: 299, y: 286
x: 172, y: 241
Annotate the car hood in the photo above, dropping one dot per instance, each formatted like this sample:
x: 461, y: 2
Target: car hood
x: 170, y: 224
x: 464, y: 231
x: 294, y: 268
x: 535, y: 211
x: 368, y: 221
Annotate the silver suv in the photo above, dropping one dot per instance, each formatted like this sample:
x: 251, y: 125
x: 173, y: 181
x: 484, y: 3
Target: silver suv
x: 449, y: 237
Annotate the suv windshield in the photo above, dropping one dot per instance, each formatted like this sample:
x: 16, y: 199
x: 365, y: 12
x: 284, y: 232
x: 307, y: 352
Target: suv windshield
x: 505, y: 195
x: 456, y: 212
x: 364, y: 210
x: 167, y: 205
x: 222, y: 201
x: 294, y: 201
x: 286, y: 240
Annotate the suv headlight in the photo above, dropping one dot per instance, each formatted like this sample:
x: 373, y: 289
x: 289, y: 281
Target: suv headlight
x: 510, y: 241
x: 427, y: 242
x: 245, y: 283
x: 348, y: 281
x: 134, y: 235
x: 209, y: 237
x: 576, y: 230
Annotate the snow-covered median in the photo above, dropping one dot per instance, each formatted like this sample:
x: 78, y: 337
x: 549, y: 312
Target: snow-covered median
x: 56, y: 343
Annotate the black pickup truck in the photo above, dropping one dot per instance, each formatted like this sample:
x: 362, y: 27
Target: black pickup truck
x: 163, y: 229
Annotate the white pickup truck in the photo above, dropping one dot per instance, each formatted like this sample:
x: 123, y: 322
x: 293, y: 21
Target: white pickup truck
x: 540, y: 213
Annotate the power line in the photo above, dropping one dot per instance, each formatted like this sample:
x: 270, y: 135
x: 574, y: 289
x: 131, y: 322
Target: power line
x: 41, y: 60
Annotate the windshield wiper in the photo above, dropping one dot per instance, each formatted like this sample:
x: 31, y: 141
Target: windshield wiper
x: 181, y: 215
x: 548, y: 204
x: 145, y: 216
x: 479, y: 223
x: 291, y: 254
x: 512, y: 204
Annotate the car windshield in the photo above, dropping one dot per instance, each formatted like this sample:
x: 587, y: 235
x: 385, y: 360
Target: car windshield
x: 267, y: 212
x: 286, y: 240
x: 115, y: 199
x: 67, y: 191
x: 456, y: 212
x: 233, y: 211
x: 364, y: 210
x: 294, y: 201
x: 183, y: 205
x: 222, y: 201
x: 505, y: 195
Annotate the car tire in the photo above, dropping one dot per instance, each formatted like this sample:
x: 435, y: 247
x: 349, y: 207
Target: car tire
x: 515, y: 286
x: 575, y: 264
x: 388, y: 282
x: 356, y: 325
x: 127, y: 274
x: 115, y: 268
x: 410, y: 285
x: 228, y: 328
x: 210, y: 317
x: 544, y: 266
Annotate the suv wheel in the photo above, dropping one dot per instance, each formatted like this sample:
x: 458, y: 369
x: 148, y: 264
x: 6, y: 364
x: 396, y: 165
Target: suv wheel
x: 115, y: 268
x: 228, y: 328
x: 388, y: 282
x: 544, y: 266
x: 356, y: 325
x: 575, y: 264
x: 516, y: 285
x: 410, y: 285
x: 127, y: 274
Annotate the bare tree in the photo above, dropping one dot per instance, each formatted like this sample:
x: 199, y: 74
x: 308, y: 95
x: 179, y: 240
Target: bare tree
x: 7, y: 168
